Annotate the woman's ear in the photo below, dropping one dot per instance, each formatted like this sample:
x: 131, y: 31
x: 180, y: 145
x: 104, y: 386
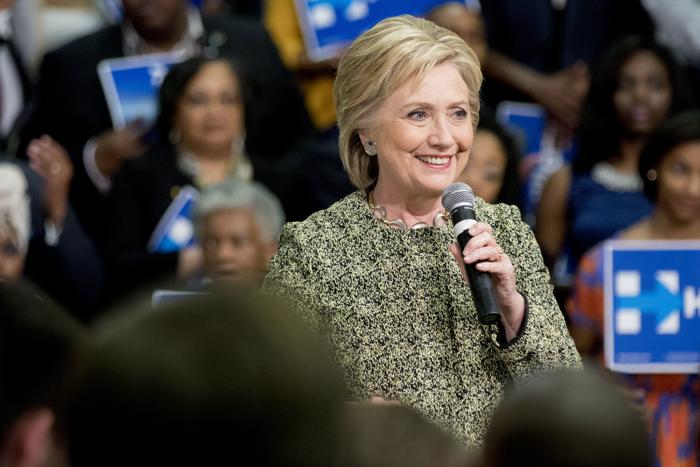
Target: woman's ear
x: 364, y: 137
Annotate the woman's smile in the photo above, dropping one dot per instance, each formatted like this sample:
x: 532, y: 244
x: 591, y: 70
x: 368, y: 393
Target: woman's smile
x: 423, y: 135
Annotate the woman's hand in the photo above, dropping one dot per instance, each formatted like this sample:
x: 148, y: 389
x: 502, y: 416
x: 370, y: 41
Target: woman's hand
x: 114, y: 147
x: 50, y: 160
x: 483, y: 251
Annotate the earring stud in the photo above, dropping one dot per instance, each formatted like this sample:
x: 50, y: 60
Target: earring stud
x: 370, y: 148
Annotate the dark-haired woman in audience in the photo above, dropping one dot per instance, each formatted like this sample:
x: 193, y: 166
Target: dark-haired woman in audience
x: 492, y: 170
x: 201, y: 142
x: 670, y: 169
x: 637, y: 86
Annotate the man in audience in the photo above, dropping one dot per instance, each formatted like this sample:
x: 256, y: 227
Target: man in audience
x: 385, y: 434
x: 567, y: 419
x: 216, y: 379
x: 71, y: 106
x: 238, y: 225
x: 40, y: 353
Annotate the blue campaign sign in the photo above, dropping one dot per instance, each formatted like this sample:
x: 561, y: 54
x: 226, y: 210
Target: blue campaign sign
x: 175, y: 230
x: 131, y: 85
x: 652, y: 306
x: 329, y: 26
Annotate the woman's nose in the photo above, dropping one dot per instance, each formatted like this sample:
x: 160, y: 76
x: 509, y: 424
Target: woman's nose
x: 440, y: 135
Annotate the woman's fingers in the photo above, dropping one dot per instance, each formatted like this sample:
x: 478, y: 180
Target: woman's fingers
x: 487, y: 253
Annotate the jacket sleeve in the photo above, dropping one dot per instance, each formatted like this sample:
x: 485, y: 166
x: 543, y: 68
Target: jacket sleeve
x: 291, y: 277
x: 544, y: 343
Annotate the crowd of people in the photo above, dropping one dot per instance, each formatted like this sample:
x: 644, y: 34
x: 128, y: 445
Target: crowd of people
x: 327, y: 317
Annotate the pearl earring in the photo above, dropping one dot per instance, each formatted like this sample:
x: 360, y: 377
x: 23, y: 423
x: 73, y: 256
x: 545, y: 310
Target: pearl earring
x: 370, y: 148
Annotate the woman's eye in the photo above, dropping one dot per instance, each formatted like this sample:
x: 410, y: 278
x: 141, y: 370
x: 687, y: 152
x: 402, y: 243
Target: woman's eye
x: 678, y: 168
x: 196, y: 99
x: 230, y: 100
x: 418, y: 115
x: 461, y: 114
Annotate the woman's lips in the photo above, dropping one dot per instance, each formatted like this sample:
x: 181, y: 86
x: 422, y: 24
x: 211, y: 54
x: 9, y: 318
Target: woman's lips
x: 435, y: 161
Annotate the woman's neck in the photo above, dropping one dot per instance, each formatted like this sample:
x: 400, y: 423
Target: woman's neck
x: 211, y: 155
x: 663, y: 226
x: 213, y: 166
x: 630, y: 149
x: 660, y: 226
x: 411, y: 210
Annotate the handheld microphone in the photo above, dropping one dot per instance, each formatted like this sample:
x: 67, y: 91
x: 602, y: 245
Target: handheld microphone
x: 458, y: 200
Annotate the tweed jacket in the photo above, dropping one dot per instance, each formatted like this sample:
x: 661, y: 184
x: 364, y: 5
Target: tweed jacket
x: 400, y: 319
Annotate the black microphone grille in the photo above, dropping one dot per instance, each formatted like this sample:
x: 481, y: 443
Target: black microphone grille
x: 456, y: 195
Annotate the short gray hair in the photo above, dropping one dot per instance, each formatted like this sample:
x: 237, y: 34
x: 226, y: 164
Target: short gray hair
x: 236, y: 194
x: 379, y: 62
x: 15, y: 217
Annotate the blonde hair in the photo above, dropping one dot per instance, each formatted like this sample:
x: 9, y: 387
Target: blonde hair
x: 377, y: 63
x: 14, y: 206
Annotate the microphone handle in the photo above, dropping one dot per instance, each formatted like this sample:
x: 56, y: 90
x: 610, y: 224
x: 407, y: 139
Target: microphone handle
x: 481, y: 286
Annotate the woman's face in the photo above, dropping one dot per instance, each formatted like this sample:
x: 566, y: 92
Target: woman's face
x: 643, y: 95
x: 209, y: 114
x: 678, y: 184
x: 423, y: 134
x: 487, y: 166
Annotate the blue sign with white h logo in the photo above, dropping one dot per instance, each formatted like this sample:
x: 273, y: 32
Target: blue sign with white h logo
x: 329, y: 26
x: 652, y: 306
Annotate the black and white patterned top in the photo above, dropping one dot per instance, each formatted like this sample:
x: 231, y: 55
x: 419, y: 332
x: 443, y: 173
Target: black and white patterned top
x: 402, y: 322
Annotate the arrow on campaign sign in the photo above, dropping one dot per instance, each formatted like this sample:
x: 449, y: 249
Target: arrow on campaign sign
x: 660, y: 302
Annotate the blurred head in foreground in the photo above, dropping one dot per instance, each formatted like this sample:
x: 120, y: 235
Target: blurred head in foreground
x: 567, y: 419
x: 217, y: 378
x: 379, y: 435
x: 40, y: 351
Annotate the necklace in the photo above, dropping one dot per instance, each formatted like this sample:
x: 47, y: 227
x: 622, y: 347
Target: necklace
x: 379, y: 213
x: 616, y: 180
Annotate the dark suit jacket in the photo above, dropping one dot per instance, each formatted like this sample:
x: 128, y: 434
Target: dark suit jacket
x: 70, y: 271
x: 71, y: 106
x: 24, y: 83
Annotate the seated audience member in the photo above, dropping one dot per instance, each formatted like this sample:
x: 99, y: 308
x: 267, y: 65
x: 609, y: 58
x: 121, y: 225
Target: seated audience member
x: 40, y: 352
x: 201, y: 129
x: 41, y: 239
x: 380, y: 435
x: 215, y: 379
x: 636, y: 88
x: 670, y: 169
x: 566, y: 419
x: 71, y: 105
x: 492, y: 169
x: 238, y: 225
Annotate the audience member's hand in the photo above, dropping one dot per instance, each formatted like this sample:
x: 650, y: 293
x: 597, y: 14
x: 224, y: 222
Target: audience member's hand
x: 113, y: 147
x: 190, y: 262
x: 51, y: 161
x: 562, y: 93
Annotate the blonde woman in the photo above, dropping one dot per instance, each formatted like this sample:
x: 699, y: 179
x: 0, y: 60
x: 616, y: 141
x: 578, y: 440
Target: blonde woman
x: 377, y: 270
